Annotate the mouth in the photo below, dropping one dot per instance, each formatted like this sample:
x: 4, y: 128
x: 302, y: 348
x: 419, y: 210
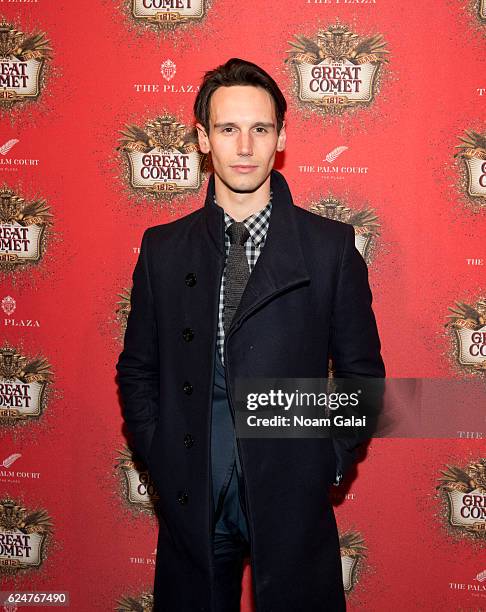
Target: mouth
x: 244, y: 169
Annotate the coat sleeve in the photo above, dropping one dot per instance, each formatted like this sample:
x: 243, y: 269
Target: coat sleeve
x: 138, y: 363
x: 354, y: 341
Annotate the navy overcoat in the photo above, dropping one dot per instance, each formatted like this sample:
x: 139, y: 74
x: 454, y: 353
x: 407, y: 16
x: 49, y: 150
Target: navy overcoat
x: 307, y: 299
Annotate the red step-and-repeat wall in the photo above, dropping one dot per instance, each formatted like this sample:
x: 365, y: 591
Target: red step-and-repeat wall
x: 386, y: 130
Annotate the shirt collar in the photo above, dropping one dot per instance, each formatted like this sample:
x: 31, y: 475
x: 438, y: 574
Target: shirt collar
x: 256, y: 224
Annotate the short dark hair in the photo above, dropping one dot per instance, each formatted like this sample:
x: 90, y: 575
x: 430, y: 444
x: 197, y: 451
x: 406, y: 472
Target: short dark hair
x: 237, y: 72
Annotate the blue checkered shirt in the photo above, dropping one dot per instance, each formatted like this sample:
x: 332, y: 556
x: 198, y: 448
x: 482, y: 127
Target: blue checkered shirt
x: 257, y: 225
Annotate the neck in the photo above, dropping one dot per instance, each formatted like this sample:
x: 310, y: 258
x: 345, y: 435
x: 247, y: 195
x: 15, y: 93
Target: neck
x: 239, y: 206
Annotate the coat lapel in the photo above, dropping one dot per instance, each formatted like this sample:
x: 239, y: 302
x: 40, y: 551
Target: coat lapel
x: 281, y: 263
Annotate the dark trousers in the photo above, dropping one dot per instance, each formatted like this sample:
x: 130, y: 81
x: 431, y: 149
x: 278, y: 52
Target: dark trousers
x: 230, y: 549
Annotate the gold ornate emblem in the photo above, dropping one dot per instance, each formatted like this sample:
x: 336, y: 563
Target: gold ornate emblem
x: 163, y: 157
x: 464, y: 490
x: 167, y: 14
x: 123, y: 310
x: 23, y: 535
x: 143, y: 603
x: 22, y: 59
x: 469, y: 326
x: 24, y: 228
x: 24, y: 386
x: 479, y: 8
x: 365, y: 222
x: 353, y: 550
x: 473, y: 153
x: 337, y: 71
x: 139, y: 490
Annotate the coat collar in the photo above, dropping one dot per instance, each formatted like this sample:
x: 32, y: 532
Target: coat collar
x: 281, y: 264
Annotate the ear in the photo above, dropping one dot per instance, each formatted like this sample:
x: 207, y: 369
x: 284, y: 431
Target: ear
x: 202, y: 138
x: 282, y: 138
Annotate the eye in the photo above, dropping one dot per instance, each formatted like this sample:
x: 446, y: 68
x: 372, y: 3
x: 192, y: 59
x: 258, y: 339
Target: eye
x: 261, y: 128
x: 227, y: 128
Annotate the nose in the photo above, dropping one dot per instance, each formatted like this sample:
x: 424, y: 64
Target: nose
x: 245, y: 145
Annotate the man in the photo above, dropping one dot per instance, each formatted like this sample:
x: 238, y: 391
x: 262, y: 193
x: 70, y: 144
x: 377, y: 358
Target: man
x: 248, y: 286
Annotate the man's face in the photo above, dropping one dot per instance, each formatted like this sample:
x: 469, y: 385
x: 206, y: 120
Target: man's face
x: 242, y: 137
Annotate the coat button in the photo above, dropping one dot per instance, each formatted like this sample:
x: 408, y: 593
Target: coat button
x: 182, y: 498
x: 187, y: 334
x: 191, y: 279
x: 188, y: 440
x: 187, y: 388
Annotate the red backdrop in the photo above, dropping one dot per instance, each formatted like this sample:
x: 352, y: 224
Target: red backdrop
x: 400, y: 547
